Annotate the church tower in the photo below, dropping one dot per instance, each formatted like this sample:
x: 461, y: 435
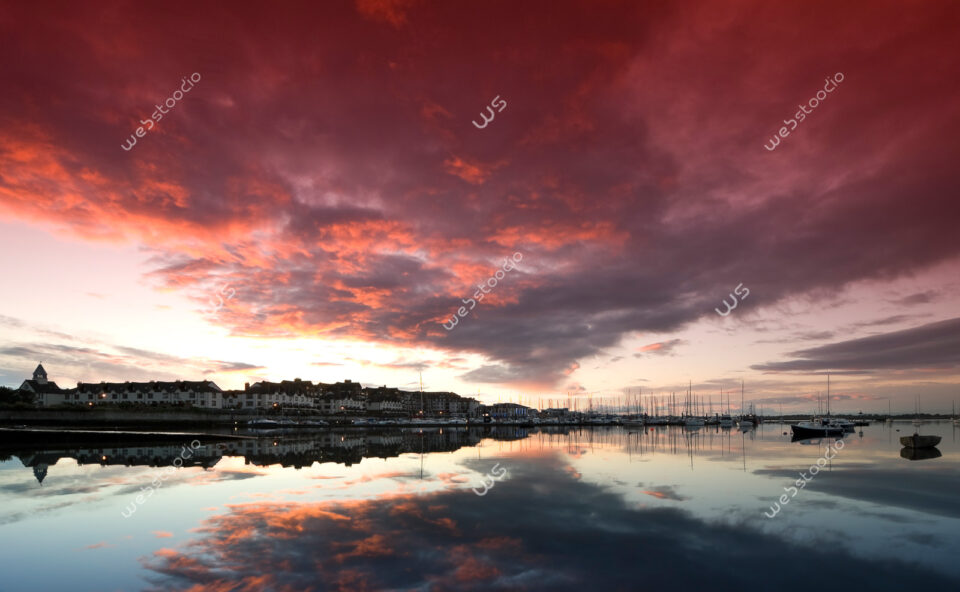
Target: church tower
x: 40, y: 375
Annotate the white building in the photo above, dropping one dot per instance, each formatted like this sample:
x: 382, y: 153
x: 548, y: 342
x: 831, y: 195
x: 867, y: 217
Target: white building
x: 288, y: 394
x: 45, y: 393
x: 384, y: 405
x: 204, y: 394
x: 332, y: 404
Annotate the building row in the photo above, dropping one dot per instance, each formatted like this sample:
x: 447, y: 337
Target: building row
x: 347, y: 397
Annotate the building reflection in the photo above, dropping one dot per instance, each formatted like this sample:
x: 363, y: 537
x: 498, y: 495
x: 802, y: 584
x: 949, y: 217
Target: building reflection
x: 287, y: 449
x: 351, y: 445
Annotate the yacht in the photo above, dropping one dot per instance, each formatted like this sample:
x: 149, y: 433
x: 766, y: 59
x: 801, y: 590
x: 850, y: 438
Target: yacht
x: 823, y: 426
x: 817, y: 428
x: 726, y: 421
x: 847, y: 425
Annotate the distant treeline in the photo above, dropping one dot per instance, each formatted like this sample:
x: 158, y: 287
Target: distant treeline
x: 13, y: 398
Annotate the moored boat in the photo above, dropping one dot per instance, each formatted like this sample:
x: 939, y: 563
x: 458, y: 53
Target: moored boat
x: 817, y: 428
x: 918, y: 441
x: 262, y: 422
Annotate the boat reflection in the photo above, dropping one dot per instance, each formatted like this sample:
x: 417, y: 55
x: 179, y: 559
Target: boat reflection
x: 919, y: 453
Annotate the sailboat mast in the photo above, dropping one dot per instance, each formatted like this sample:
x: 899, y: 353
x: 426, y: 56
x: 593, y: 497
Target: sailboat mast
x: 742, y: 408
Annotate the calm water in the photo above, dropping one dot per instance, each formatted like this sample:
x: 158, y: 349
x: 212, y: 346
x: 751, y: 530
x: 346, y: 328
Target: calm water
x: 571, y: 509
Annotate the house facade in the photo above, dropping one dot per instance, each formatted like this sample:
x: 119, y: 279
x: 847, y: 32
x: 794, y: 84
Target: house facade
x: 45, y: 393
x: 204, y: 394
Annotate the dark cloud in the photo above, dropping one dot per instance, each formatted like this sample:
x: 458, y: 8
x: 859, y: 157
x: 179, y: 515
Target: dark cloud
x: 326, y: 165
x: 891, y: 320
x: 932, y: 345
x: 924, y: 297
x: 221, y: 366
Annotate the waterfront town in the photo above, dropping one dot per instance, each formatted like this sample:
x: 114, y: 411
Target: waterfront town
x: 346, y: 398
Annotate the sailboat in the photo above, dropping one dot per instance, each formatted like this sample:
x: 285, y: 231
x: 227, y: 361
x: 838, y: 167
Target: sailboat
x: 692, y: 420
x: 916, y: 420
x: 956, y: 420
x: 818, y: 427
x: 725, y: 420
x: 745, y: 424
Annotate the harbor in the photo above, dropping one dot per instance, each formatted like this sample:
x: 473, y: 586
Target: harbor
x: 658, y: 481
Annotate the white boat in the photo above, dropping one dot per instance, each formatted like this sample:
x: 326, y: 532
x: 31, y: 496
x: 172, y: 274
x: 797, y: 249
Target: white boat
x: 694, y: 422
x: 262, y: 422
x: 726, y: 421
x: 313, y: 422
x: 845, y: 424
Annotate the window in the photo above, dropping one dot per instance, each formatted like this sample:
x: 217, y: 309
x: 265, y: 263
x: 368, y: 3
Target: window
x: 90, y: 397
x: 125, y: 396
x: 139, y: 395
x: 149, y: 395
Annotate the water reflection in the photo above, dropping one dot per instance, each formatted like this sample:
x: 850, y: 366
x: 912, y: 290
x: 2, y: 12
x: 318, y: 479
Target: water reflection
x: 543, y: 529
x: 600, y: 508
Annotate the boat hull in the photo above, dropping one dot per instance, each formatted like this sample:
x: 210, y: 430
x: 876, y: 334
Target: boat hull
x: 803, y: 432
x: 918, y: 441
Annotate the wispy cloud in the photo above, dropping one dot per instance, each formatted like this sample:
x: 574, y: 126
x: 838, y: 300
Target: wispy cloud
x: 935, y: 345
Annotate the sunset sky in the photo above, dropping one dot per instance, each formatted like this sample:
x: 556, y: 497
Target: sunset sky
x: 325, y: 169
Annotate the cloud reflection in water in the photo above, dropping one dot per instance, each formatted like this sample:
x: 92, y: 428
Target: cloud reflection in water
x: 542, y: 529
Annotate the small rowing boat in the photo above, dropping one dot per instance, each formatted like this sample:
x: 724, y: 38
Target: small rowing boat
x: 918, y: 441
